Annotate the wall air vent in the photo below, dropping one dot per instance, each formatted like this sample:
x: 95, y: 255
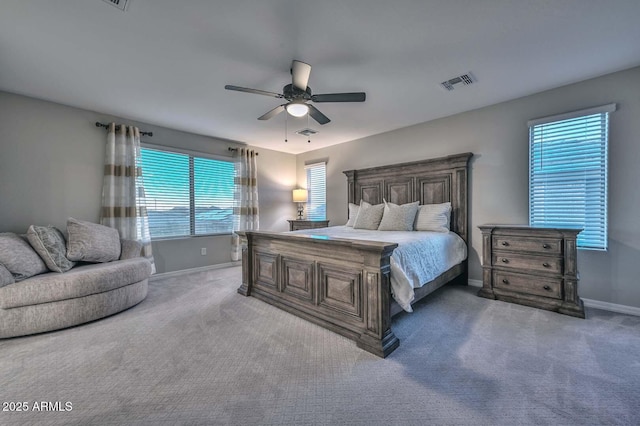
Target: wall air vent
x: 120, y: 4
x: 462, y: 80
x: 307, y: 132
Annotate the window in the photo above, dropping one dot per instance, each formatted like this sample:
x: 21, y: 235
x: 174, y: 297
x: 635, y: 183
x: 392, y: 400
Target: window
x: 317, y: 187
x: 568, y: 173
x: 187, y: 195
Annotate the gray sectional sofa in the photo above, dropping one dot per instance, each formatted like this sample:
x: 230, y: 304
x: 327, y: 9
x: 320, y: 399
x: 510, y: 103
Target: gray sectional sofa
x: 38, y: 296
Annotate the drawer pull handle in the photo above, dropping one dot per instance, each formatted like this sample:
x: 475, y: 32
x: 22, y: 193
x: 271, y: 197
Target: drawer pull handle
x: 505, y: 260
x: 546, y: 246
x: 546, y: 287
x: 506, y: 281
x: 546, y: 265
x: 504, y: 243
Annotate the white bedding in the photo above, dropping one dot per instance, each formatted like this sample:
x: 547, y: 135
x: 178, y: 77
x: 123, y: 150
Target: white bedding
x: 419, y: 258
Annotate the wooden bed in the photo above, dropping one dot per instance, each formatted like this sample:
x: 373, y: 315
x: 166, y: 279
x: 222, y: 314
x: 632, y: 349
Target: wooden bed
x: 342, y: 284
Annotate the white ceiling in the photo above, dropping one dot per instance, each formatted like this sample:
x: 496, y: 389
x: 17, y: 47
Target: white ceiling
x: 166, y: 62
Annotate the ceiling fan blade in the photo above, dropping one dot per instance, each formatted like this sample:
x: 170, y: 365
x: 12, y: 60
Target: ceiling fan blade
x: 300, y: 72
x: 277, y: 110
x: 256, y: 91
x: 340, y: 97
x: 317, y: 115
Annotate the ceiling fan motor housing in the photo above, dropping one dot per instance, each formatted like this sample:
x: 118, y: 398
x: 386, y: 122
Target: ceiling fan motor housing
x: 291, y: 93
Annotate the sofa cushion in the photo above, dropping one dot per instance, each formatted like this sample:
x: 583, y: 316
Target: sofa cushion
x: 91, y: 242
x: 19, y: 257
x: 130, y: 249
x: 5, y: 276
x: 78, y: 282
x: 49, y: 243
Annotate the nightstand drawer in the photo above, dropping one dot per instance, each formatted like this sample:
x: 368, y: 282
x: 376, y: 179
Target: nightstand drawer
x: 528, y: 284
x: 538, y: 245
x: 522, y: 261
x: 298, y: 225
x: 301, y: 226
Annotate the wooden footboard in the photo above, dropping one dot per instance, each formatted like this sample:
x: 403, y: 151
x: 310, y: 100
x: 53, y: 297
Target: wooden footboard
x: 342, y: 285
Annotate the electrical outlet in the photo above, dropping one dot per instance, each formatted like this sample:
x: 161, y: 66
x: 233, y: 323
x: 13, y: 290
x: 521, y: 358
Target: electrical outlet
x: 203, y: 251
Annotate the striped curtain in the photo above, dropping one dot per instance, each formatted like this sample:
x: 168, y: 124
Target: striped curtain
x: 245, y: 210
x: 123, y: 196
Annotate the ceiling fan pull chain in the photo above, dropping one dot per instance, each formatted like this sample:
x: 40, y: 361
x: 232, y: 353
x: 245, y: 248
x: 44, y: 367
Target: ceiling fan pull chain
x: 308, y: 137
x: 285, y: 128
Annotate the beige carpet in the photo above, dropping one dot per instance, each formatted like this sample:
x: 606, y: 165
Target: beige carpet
x: 196, y: 352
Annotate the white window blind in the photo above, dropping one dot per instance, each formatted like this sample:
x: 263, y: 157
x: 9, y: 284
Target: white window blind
x: 187, y: 195
x: 317, y: 191
x: 568, y: 173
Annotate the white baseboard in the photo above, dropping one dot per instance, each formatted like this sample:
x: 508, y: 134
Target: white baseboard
x: 589, y: 303
x: 199, y: 269
x: 612, y: 307
x: 474, y: 283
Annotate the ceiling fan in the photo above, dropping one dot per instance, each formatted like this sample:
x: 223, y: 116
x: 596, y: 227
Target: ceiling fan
x: 298, y: 94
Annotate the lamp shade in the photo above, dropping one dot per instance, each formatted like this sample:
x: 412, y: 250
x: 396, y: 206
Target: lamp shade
x: 299, y: 195
x: 297, y: 109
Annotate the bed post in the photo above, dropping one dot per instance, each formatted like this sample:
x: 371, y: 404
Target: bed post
x: 461, y: 193
x: 378, y: 337
x: 245, y: 287
x: 351, y: 189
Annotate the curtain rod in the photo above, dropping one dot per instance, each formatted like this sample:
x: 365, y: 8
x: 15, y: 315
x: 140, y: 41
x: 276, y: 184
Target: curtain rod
x: 235, y: 149
x: 99, y: 124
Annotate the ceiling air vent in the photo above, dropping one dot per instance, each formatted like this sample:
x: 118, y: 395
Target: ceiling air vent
x: 120, y: 4
x: 462, y: 80
x: 307, y: 132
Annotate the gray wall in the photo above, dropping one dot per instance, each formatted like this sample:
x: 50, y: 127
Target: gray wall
x: 498, y: 137
x: 51, y: 162
x: 51, y: 159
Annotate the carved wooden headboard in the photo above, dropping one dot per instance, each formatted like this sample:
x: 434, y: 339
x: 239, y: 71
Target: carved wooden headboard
x: 432, y: 181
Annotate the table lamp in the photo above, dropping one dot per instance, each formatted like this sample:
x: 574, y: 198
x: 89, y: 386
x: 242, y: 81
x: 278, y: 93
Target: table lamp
x: 300, y: 197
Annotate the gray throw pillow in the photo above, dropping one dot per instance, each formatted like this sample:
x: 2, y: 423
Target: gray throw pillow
x: 91, y: 242
x: 19, y: 258
x: 398, y: 217
x: 130, y: 249
x: 369, y: 216
x: 49, y: 243
x: 5, y: 276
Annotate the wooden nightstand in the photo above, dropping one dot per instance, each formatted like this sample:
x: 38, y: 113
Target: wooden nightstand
x: 295, y: 225
x: 531, y: 266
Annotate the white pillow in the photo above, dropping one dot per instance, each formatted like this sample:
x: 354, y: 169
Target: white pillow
x: 398, y: 218
x: 433, y: 217
x: 353, y: 213
x: 369, y: 216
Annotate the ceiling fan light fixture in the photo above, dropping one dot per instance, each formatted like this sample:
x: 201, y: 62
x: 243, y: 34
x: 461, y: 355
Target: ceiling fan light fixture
x: 297, y: 109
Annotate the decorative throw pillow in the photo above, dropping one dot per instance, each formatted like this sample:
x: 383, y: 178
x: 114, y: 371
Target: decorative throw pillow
x: 368, y: 216
x: 91, y: 242
x: 50, y: 244
x: 5, y: 276
x: 433, y: 217
x: 398, y: 217
x: 19, y: 258
x: 353, y: 213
